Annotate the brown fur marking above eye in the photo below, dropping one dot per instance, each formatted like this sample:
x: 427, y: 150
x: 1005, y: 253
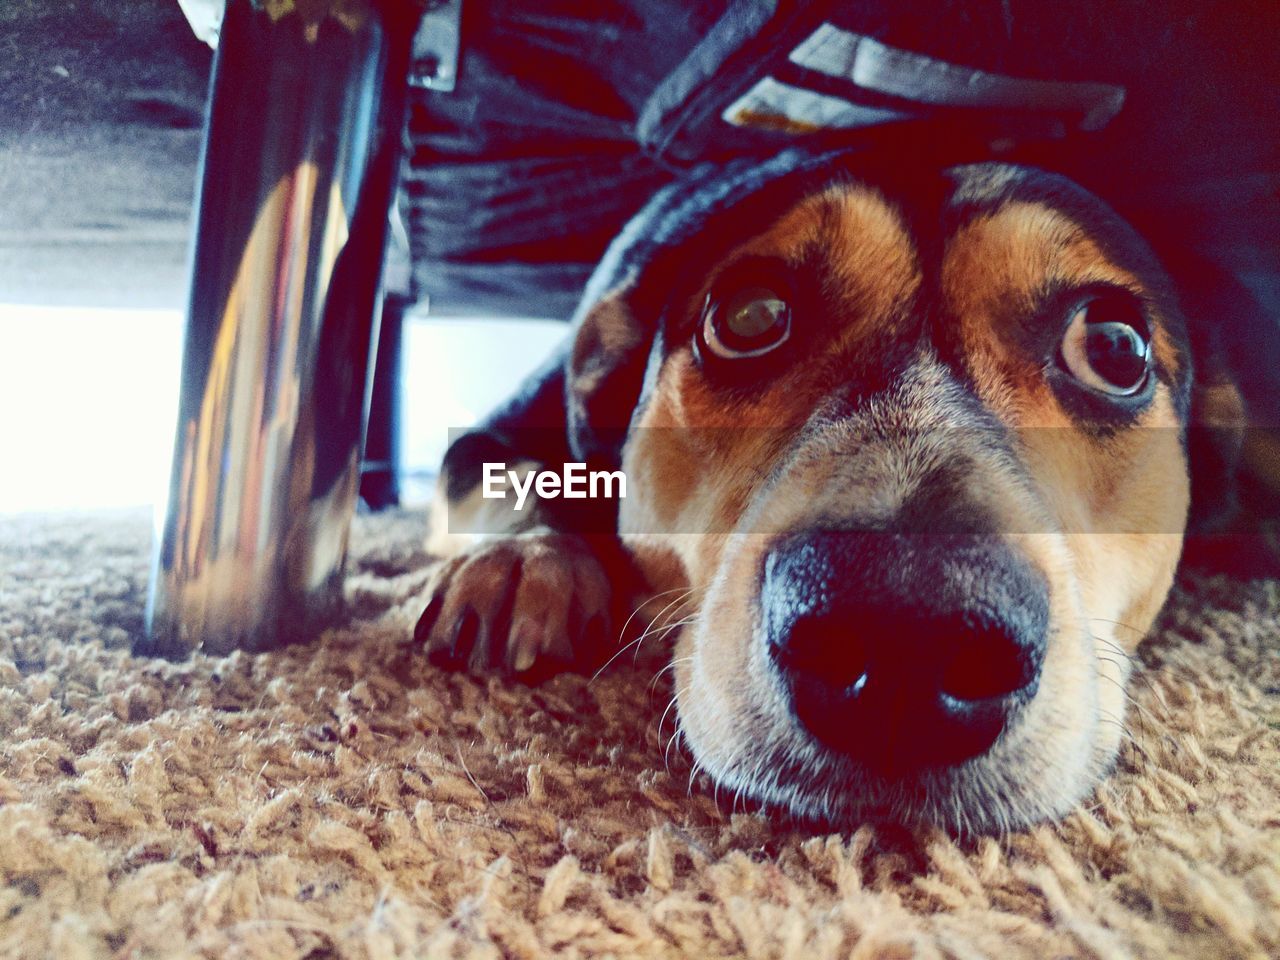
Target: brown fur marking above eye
x: 873, y: 261
x: 867, y: 255
x: 994, y: 272
x: 693, y: 436
x: 856, y: 244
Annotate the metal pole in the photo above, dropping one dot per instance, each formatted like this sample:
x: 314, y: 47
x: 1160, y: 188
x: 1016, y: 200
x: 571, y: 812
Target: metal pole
x: 300, y: 166
x: 380, y: 470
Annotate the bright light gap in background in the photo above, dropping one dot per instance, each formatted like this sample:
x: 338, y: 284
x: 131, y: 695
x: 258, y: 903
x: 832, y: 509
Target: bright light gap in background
x: 88, y: 398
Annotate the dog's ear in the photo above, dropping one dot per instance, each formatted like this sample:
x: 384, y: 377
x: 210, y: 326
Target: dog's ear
x: 1234, y: 397
x: 1235, y: 481
x: 1218, y: 421
x: 604, y: 374
x: 1231, y: 441
x: 617, y: 321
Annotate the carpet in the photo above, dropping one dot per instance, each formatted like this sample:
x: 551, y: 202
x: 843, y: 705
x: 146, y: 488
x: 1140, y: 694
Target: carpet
x: 344, y: 799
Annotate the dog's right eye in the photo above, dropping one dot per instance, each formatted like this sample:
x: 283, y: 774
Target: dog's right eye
x: 750, y: 322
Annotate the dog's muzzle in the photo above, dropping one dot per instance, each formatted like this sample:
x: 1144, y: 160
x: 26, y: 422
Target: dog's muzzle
x: 904, y: 651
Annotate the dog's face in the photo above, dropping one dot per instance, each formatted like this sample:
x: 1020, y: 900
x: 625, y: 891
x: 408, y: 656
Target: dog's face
x: 919, y: 453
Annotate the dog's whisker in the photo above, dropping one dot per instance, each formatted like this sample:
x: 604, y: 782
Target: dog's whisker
x: 671, y: 703
x: 666, y: 751
x: 663, y: 632
x: 739, y: 782
x: 739, y: 785
x: 1121, y: 624
x: 648, y: 600
x: 1141, y: 676
x: 1137, y: 673
x: 1129, y: 698
x: 1145, y: 716
x: 669, y: 667
x: 666, y: 759
x: 672, y: 609
x: 696, y: 769
x: 675, y: 608
x: 656, y: 632
x: 653, y: 633
x: 1115, y: 648
x: 634, y: 643
x: 1107, y: 716
x: 1126, y: 735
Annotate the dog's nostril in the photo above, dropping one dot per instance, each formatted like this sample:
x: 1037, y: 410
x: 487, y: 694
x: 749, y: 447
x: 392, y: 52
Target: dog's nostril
x: 832, y: 651
x: 903, y: 654
x: 988, y: 664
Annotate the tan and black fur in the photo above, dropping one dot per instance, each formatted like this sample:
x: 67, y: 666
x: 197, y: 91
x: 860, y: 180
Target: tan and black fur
x: 918, y: 407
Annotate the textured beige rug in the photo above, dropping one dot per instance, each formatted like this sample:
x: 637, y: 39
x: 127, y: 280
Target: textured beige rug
x: 344, y: 800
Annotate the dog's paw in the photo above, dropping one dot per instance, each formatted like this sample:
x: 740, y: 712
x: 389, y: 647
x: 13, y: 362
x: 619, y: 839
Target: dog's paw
x: 516, y: 603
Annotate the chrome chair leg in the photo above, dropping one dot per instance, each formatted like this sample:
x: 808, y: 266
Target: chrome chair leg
x: 380, y: 468
x: 301, y: 162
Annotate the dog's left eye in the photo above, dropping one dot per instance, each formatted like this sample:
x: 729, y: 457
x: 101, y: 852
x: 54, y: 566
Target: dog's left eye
x: 749, y: 323
x: 1107, y: 346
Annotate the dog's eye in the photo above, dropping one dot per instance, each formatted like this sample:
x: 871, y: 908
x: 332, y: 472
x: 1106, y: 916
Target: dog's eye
x: 749, y: 323
x: 1107, y: 346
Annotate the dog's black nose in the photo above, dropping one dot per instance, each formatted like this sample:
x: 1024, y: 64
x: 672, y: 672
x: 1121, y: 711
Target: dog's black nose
x: 904, y: 651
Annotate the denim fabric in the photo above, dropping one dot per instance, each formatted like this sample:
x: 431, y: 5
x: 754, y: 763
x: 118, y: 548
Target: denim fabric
x: 568, y: 116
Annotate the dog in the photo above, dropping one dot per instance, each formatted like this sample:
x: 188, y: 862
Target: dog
x: 913, y: 445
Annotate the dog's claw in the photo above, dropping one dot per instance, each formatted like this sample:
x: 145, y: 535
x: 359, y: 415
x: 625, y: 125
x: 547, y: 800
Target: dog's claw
x: 425, y: 622
x: 512, y: 603
x: 465, y: 632
x: 523, y: 647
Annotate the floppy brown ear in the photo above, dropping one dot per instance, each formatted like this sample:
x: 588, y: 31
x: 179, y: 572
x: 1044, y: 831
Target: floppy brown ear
x: 604, y: 376
x: 1215, y: 445
x: 1261, y: 466
x: 1231, y: 409
x: 1235, y: 482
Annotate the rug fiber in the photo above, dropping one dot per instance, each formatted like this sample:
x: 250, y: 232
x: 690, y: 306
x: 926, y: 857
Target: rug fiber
x: 344, y: 799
